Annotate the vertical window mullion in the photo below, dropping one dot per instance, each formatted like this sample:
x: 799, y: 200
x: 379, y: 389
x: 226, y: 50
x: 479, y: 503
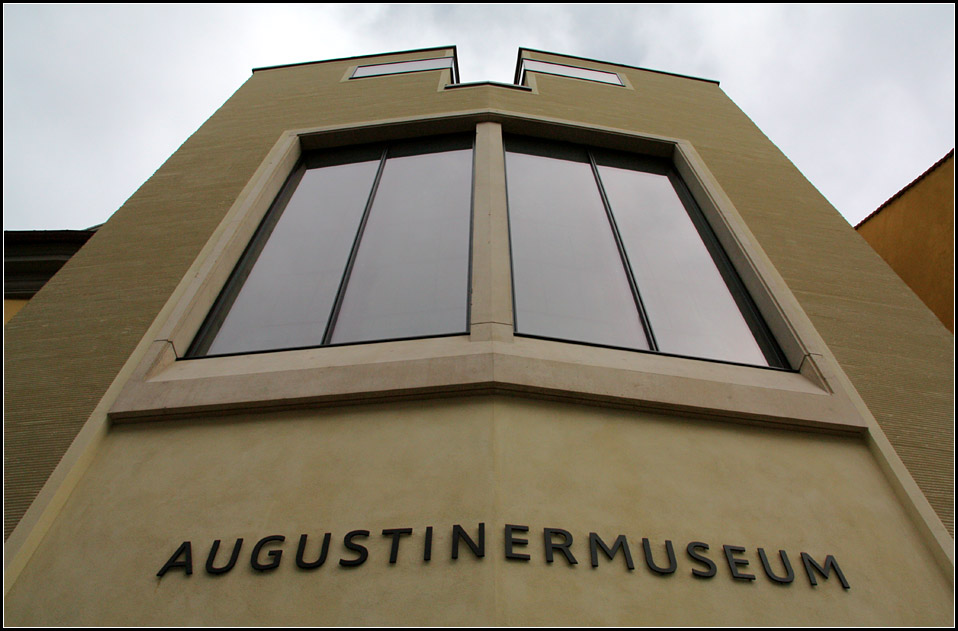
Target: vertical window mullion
x: 341, y: 291
x: 623, y: 255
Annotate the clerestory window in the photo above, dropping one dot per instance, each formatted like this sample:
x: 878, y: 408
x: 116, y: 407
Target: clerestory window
x: 565, y: 70
x: 362, y: 244
x: 611, y: 249
x: 402, y: 67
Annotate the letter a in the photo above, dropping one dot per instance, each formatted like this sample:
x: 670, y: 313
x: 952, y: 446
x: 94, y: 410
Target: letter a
x: 187, y: 563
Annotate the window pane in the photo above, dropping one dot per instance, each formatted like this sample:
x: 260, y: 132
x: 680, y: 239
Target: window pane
x: 411, y: 273
x: 690, y: 308
x: 569, y: 280
x: 403, y: 66
x: 529, y: 65
x: 287, y: 298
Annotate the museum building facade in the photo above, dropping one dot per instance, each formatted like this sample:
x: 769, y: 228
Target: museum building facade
x: 376, y: 346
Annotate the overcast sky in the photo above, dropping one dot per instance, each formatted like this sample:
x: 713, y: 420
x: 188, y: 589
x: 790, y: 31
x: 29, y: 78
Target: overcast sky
x: 95, y: 98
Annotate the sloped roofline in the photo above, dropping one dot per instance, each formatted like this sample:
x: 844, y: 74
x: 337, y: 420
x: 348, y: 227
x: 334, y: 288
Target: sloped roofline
x: 455, y: 57
x: 927, y: 172
x: 599, y: 61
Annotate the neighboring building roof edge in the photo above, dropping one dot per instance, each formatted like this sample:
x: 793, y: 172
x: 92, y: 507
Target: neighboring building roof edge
x: 33, y: 257
x: 38, y: 236
x: 906, y: 187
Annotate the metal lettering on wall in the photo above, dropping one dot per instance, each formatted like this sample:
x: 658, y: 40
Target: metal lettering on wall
x: 660, y: 557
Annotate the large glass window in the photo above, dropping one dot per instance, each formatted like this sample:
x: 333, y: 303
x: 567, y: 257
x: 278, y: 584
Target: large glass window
x: 372, y: 243
x: 362, y: 244
x: 610, y: 249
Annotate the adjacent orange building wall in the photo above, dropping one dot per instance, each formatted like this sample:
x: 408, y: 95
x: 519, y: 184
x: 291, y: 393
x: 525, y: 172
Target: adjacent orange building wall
x: 914, y: 232
x: 11, y: 307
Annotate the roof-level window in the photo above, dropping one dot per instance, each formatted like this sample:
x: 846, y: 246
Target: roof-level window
x: 400, y: 67
x: 531, y: 65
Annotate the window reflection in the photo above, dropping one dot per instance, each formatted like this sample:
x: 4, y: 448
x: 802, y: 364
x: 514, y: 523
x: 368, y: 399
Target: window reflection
x: 583, y: 223
x: 568, y: 280
x: 373, y: 243
x: 289, y: 294
x: 412, y: 267
x: 689, y: 306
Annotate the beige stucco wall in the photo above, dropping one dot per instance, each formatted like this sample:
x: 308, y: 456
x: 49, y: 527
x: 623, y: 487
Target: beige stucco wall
x: 83, y: 329
x: 915, y: 233
x: 488, y: 459
x: 498, y: 460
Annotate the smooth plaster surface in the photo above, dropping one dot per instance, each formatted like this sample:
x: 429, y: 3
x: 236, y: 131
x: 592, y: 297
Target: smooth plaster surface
x: 495, y: 460
x: 81, y: 330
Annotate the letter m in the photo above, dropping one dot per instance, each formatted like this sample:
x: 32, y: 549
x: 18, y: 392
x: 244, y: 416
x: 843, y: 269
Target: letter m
x: 595, y: 542
x: 812, y: 567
